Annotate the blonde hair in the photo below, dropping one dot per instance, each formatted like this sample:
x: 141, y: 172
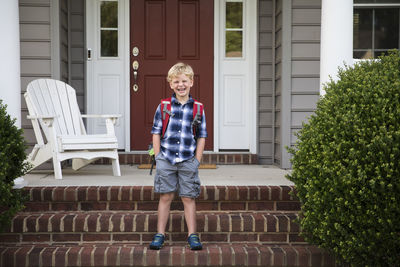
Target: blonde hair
x: 178, y: 69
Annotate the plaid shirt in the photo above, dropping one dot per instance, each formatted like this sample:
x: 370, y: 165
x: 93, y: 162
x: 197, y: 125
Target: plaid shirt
x: 178, y: 143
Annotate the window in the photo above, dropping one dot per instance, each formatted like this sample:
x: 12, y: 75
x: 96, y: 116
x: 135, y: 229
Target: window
x: 375, y: 27
x: 234, y: 29
x: 109, y: 28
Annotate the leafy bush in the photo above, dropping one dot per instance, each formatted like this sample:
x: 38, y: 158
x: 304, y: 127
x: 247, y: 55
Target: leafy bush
x: 346, y: 165
x: 12, y: 165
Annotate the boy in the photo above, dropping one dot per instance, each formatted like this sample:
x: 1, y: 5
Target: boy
x: 178, y: 151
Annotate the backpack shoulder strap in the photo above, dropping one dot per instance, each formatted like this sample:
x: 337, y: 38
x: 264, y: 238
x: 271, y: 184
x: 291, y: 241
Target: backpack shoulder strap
x: 197, y: 109
x: 166, y: 112
x: 197, y: 115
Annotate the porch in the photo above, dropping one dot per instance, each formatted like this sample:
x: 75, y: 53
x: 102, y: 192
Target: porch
x: 101, y: 175
x: 245, y: 214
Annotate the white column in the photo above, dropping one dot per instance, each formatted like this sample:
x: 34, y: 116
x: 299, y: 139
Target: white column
x: 10, y: 80
x: 336, y: 38
x: 10, y: 73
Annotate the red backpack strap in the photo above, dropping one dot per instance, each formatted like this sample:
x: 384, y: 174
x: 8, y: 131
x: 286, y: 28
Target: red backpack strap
x: 197, y: 113
x: 197, y: 109
x: 166, y: 111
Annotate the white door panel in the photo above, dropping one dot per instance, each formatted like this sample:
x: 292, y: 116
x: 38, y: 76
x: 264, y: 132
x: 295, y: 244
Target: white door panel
x: 237, y: 75
x: 106, y: 68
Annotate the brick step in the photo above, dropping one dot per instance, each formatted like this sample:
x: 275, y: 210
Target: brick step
x: 208, y: 158
x: 139, y: 227
x: 142, y: 198
x: 222, y: 254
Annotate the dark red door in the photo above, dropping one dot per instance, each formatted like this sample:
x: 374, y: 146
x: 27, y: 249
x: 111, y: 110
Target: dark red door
x: 166, y: 32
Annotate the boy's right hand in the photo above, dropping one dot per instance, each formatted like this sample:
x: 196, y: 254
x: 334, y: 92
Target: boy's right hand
x: 156, y: 144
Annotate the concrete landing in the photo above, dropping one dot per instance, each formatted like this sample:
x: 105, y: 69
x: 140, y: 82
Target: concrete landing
x: 101, y: 175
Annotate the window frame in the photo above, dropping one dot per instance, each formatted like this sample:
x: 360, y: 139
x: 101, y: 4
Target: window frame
x: 243, y: 29
x: 374, y: 6
x: 100, y: 29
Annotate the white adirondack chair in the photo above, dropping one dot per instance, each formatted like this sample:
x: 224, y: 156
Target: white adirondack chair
x: 53, y: 108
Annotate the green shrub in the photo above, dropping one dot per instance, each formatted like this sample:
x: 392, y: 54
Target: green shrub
x: 12, y: 165
x: 346, y: 165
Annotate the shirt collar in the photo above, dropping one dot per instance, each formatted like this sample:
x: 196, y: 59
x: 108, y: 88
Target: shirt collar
x: 175, y: 101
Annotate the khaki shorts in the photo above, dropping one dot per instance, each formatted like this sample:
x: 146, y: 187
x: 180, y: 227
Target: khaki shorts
x: 182, y: 177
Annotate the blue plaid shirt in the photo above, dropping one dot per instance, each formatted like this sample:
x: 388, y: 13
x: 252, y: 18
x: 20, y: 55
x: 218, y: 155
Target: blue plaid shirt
x: 178, y: 143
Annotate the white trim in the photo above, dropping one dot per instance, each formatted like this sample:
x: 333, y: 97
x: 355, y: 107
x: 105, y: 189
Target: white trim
x: 252, y: 31
x: 10, y: 65
x: 127, y: 97
x: 250, y: 28
x: 216, y: 74
x: 333, y: 29
x: 55, y: 39
x: 89, y: 24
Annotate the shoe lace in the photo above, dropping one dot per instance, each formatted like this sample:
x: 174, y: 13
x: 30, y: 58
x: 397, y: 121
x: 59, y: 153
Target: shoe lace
x: 158, y: 238
x: 193, y: 238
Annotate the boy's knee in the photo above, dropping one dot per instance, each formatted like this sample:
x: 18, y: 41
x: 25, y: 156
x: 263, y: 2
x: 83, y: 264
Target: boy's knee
x: 187, y: 199
x: 167, y: 197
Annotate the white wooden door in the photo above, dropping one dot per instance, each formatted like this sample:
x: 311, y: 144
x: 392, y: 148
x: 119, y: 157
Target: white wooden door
x: 236, y: 84
x: 107, y: 60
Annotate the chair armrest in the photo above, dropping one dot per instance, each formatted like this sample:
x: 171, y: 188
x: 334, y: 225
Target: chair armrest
x: 35, y: 117
x: 110, y: 120
x: 47, y: 119
x: 106, y: 116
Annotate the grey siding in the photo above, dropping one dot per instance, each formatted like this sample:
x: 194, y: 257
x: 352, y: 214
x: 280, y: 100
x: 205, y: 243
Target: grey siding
x: 297, y: 51
x: 40, y: 57
x: 277, y: 81
x: 306, y: 31
x: 265, y: 83
x: 77, y: 50
x: 64, y: 41
x: 35, y: 42
x: 72, y: 46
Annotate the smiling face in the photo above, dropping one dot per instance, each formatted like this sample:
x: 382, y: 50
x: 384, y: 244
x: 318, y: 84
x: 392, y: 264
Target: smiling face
x: 181, y: 85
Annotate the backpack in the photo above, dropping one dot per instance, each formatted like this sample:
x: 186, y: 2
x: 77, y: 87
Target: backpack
x: 166, y: 113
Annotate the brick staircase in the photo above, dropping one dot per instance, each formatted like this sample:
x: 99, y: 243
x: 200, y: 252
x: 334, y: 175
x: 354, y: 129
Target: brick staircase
x: 112, y: 226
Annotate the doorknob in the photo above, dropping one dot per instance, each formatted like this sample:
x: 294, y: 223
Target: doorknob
x: 135, y: 66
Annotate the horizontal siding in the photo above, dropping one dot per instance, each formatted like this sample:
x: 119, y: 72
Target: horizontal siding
x: 35, y: 43
x: 34, y: 50
x: 64, y: 41
x: 77, y: 50
x: 277, y: 82
x: 306, y: 35
x: 265, y: 89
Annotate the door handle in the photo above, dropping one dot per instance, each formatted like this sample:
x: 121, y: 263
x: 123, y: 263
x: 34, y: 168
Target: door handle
x: 135, y: 67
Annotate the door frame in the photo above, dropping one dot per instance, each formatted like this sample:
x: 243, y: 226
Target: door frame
x: 218, y: 47
x: 218, y: 42
x: 89, y: 68
x: 128, y: 77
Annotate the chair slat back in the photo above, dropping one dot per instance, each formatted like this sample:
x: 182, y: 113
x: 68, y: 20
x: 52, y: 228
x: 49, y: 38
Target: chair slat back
x: 52, y: 97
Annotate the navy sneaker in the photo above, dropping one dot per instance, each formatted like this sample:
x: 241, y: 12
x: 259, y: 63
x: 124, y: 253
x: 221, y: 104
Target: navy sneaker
x: 194, y: 242
x: 158, y: 241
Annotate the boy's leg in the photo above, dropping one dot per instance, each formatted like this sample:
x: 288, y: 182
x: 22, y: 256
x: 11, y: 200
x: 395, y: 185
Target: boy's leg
x: 189, y: 190
x: 190, y: 217
x: 189, y: 205
x: 163, y: 211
